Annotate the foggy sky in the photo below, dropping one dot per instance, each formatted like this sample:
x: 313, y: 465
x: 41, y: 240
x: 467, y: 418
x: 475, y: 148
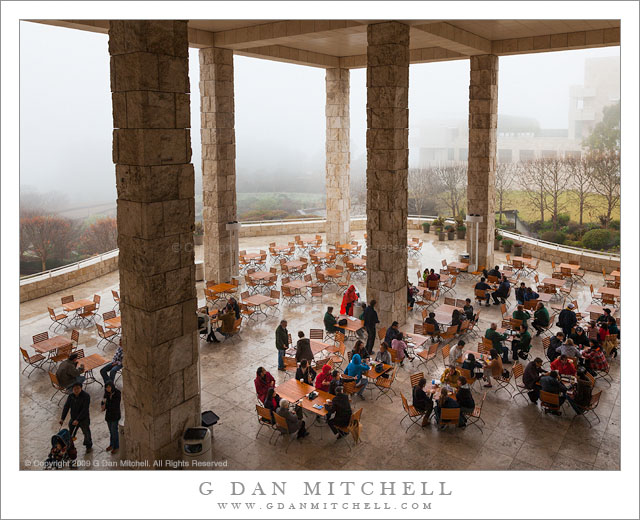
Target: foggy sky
x: 66, y: 122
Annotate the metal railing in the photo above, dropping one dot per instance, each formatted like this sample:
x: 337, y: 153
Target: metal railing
x: 76, y: 266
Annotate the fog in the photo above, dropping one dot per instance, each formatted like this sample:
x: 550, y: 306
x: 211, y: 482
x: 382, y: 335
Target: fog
x: 66, y: 123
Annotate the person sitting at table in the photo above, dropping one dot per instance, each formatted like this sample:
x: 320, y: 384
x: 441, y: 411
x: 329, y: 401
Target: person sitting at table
x: 472, y: 366
x: 567, y: 319
x: 425, y: 274
x: 592, y: 331
x: 401, y: 349
x: 521, y: 344
x: 451, y: 376
x: 530, y: 294
x: 323, y: 380
x: 349, y: 298
x: 554, y: 344
x: 456, y: 352
x: 521, y: 314
x: 358, y: 348
x: 604, y: 317
x: 502, y: 292
x: 613, y: 326
x: 335, y: 382
x: 303, y: 348
x: 551, y: 383
x: 531, y: 377
x: 392, y: 333
x: 228, y: 319
x: 433, y: 276
x: 411, y: 295
x: 383, y: 355
x: 68, y: 371
x: 263, y: 381
x: 422, y: 401
x: 468, y: 309
x: 331, y: 322
x: 464, y: 397
x: 431, y: 320
x: 294, y: 422
x: 492, y: 272
x: 305, y: 373
x: 109, y: 371
x: 271, y: 402
x: 233, y: 303
x: 540, y: 318
x: 520, y: 293
x: 568, y: 349
x: 595, y: 359
x: 563, y: 366
x: 447, y: 402
x: 357, y: 369
x: 493, y: 367
x: 579, y: 338
x: 482, y: 285
x: 456, y: 319
x: 581, y: 397
x: 496, y: 339
x: 603, y: 331
x: 338, y: 412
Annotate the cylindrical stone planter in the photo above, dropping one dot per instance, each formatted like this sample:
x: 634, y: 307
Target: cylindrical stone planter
x: 441, y: 236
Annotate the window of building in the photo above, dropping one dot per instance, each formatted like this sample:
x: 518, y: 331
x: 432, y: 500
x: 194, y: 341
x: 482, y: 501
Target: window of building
x: 579, y: 104
x: 527, y: 155
x: 463, y: 154
x: 450, y: 154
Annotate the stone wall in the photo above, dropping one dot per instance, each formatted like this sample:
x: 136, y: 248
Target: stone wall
x: 66, y: 278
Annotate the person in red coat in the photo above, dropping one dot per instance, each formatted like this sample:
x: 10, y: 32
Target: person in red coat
x: 263, y: 381
x: 323, y: 379
x: 563, y: 366
x: 349, y: 298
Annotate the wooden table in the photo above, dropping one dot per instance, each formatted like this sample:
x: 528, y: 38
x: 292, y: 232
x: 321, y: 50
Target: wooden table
x: 595, y: 308
x: 544, y: 297
x: 417, y: 339
x: 250, y: 256
x: 113, y: 323
x: 262, y: 275
x: 295, y: 264
x: 506, y: 272
x: 353, y: 324
x: 461, y: 266
x: 321, y: 400
x: 525, y: 261
x: 256, y: 300
x: 51, y: 344
x: 89, y: 363
x: 331, y: 272
x: 223, y: 287
x: 443, y: 313
x: 293, y: 390
x: 615, y: 274
x: 347, y: 247
x: 553, y: 281
x: 357, y: 262
x: 372, y: 374
x: 609, y: 290
x: 322, y: 255
x: 477, y: 355
x: 281, y: 249
x: 297, y: 284
x: 573, y: 267
x: 76, y: 305
x: 318, y: 346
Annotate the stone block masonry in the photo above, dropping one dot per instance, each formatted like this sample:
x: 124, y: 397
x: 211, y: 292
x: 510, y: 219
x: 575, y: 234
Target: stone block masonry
x: 387, y: 163
x: 155, y: 184
x: 218, y: 162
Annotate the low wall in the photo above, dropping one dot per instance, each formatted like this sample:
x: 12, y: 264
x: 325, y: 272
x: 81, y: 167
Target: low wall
x: 590, y: 263
x: 63, y: 279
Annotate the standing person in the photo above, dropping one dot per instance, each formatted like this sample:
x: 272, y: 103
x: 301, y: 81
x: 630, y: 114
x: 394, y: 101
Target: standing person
x: 77, y: 405
x: 109, y: 371
x: 263, y: 381
x: 370, y: 321
x: 496, y: 340
x: 540, y: 318
x: 111, y: 406
x: 338, y: 412
x: 282, y: 343
x: 530, y: 378
x: 348, y: 300
x: 567, y: 319
x: 303, y: 348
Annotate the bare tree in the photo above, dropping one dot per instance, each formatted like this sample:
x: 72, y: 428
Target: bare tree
x: 581, y: 180
x: 453, y: 180
x: 505, y: 174
x: 533, y: 173
x: 99, y: 237
x: 555, y: 181
x: 48, y: 235
x: 423, y: 189
x: 605, y: 171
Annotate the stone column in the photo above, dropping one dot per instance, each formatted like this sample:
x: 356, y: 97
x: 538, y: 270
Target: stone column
x: 387, y: 163
x: 481, y: 172
x: 155, y: 184
x: 217, y: 121
x: 337, y: 153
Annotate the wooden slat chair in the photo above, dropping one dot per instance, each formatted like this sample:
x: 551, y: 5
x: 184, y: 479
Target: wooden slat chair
x: 382, y: 332
x: 530, y: 305
x: 415, y: 378
x: 430, y: 330
x: 394, y: 357
x: 67, y: 299
x: 480, y: 296
x: 274, y: 303
x: 428, y: 356
x: 282, y: 427
x: 532, y: 268
x: 520, y: 390
x: 431, y: 298
x: 449, y: 416
x: 58, y: 320
x: 35, y: 362
x: 290, y: 366
x: 116, y: 298
x: 449, y: 334
x: 552, y: 323
x: 58, y: 388
x: 349, y: 388
x: 449, y: 285
x: 609, y: 301
x: 108, y: 315
x: 60, y: 354
x: 235, y: 331
x: 418, y: 328
x: 603, y: 375
x: 354, y: 424
x: 383, y: 384
x: 479, y: 272
x: 549, y: 402
x: 75, y: 338
x: 484, y: 349
x: 476, y: 416
x: 445, y: 355
x: 504, y: 383
x: 414, y: 416
x: 449, y: 301
x: 105, y: 336
x: 591, y: 407
x: 43, y: 336
x: 474, y: 326
x: 466, y: 373
x: 316, y: 334
x: 89, y: 313
x: 338, y: 357
x: 595, y: 296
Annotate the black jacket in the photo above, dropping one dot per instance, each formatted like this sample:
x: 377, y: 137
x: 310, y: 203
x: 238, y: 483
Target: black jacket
x: 567, y: 319
x: 370, y: 317
x: 78, y: 406
x: 112, y: 405
x: 311, y: 375
x: 465, y: 399
x: 333, y: 384
x: 421, y: 401
x: 303, y: 350
x: 342, y: 409
x: 581, y: 339
x: 554, y: 343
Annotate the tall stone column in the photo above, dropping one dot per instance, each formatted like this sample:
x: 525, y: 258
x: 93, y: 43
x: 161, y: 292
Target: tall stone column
x: 387, y: 163
x: 337, y: 156
x: 155, y: 184
x: 481, y: 172
x: 217, y: 121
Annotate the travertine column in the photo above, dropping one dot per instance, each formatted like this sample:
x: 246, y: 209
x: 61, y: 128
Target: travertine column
x: 218, y: 162
x: 483, y: 122
x: 387, y: 163
x: 337, y: 153
x: 155, y: 183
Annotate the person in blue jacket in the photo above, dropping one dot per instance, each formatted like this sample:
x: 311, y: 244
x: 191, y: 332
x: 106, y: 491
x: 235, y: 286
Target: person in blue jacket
x: 356, y: 370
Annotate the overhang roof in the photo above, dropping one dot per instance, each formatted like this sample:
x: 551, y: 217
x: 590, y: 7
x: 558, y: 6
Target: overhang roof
x: 343, y: 43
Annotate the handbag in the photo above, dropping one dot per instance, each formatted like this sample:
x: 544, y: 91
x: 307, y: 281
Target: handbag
x: 379, y: 368
x: 343, y: 322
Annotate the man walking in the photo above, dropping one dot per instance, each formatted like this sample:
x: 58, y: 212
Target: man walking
x: 370, y: 321
x: 78, y: 404
x: 282, y: 343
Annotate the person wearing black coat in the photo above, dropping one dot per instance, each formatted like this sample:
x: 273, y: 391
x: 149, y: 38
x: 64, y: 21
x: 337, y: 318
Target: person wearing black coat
x: 306, y: 373
x: 77, y: 405
x: 567, y: 320
x: 422, y: 401
x: 464, y: 397
x: 472, y: 365
x: 370, y: 318
x: 111, y: 407
x: 554, y: 343
x: 339, y: 412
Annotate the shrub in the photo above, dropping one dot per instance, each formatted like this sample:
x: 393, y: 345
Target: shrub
x: 597, y: 239
x: 557, y: 237
x: 563, y: 219
x: 615, y: 224
x: 507, y: 242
